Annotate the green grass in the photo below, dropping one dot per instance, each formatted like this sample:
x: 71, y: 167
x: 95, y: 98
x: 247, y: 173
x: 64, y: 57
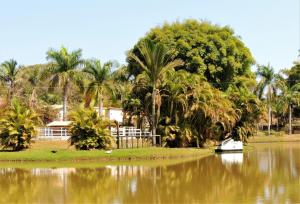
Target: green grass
x: 71, y: 155
x: 275, y: 137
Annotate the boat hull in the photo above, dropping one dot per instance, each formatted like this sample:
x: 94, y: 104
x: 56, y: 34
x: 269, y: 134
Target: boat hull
x: 228, y: 150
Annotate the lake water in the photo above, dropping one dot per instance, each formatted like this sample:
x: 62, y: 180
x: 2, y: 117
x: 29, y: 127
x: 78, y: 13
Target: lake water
x: 268, y: 174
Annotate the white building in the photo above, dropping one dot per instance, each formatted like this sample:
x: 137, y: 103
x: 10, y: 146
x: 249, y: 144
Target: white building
x: 110, y: 113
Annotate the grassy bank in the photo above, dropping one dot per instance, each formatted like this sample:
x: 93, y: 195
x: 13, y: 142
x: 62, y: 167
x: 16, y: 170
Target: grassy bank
x: 60, y: 151
x: 263, y: 138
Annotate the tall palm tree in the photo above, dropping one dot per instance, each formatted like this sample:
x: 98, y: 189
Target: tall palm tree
x: 8, y: 74
x: 290, y: 95
x: 268, y: 81
x: 32, y: 76
x: 155, y: 60
x: 100, y: 83
x: 64, y: 70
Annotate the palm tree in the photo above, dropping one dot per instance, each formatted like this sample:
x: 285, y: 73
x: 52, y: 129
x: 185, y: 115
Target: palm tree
x: 8, y: 74
x: 268, y: 81
x: 32, y: 76
x: 176, y: 88
x: 64, y: 71
x: 100, y: 83
x: 291, y: 96
x: 155, y: 60
x: 123, y: 87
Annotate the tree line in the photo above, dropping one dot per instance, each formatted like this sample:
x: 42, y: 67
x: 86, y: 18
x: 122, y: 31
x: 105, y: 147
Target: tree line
x: 189, y: 81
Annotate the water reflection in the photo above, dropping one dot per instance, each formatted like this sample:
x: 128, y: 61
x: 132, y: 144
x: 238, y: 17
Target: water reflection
x: 232, y: 158
x: 271, y: 174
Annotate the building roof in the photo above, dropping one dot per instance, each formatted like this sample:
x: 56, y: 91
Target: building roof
x: 59, y: 106
x: 108, y: 108
x: 56, y: 106
x: 59, y: 123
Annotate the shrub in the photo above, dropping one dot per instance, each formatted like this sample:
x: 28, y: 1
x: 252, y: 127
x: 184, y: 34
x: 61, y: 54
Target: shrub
x: 17, y: 127
x: 89, y: 131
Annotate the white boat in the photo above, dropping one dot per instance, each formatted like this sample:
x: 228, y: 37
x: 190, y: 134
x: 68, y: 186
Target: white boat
x: 229, y: 145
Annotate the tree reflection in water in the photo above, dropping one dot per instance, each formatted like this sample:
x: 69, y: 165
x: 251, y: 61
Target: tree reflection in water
x: 269, y: 174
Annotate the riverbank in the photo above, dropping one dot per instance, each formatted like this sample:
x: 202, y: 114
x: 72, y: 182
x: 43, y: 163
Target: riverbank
x: 61, y: 151
x: 263, y: 138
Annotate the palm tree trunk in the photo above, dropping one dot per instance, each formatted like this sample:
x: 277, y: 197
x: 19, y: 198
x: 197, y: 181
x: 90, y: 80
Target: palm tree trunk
x: 270, y: 109
x: 153, y: 115
x: 290, y: 119
x: 65, y: 100
x: 32, y: 98
x: 100, y: 105
x: 269, y: 125
x: 10, y: 92
x: 171, y: 110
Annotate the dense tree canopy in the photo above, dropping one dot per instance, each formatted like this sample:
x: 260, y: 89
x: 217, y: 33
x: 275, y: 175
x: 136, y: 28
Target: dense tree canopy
x: 209, y: 50
x: 294, y: 74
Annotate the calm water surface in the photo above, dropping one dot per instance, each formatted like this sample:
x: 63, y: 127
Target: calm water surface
x: 268, y: 174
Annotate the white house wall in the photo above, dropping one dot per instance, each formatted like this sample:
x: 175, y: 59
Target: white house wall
x: 116, y: 115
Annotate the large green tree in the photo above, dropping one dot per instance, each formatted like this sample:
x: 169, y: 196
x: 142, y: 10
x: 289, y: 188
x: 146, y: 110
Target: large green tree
x: 212, y: 51
x: 154, y: 61
x: 64, y: 66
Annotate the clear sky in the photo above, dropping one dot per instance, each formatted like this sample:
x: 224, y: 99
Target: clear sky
x: 107, y: 29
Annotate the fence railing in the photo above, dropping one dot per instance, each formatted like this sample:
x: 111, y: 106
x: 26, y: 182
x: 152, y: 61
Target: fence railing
x: 125, y: 137
x: 53, y: 134
x: 130, y: 137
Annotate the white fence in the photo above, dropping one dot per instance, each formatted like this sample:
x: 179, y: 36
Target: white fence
x: 129, y: 131
x: 127, y: 137
x: 131, y: 137
x: 53, y: 134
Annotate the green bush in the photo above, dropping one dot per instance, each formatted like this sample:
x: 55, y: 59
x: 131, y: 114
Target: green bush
x: 17, y: 127
x: 89, y: 131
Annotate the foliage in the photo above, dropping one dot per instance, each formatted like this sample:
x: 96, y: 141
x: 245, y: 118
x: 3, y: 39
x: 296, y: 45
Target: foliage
x: 18, y: 127
x: 89, y: 131
x: 211, y: 114
x: 294, y: 78
x: 249, y: 109
x: 100, y: 83
x: 293, y: 74
x: 63, y: 69
x: 155, y: 60
x: 8, y: 74
x: 209, y: 50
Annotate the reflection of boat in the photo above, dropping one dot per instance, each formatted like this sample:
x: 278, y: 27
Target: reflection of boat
x: 229, y: 145
x: 232, y: 158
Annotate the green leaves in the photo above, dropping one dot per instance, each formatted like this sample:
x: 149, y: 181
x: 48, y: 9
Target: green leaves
x: 155, y: 60
x: 89, y: 131
x: 100, y: 83
x: 209, y: 50
x: 17, y: 127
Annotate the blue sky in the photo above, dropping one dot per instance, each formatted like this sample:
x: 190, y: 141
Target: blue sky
x: 107, y: 29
